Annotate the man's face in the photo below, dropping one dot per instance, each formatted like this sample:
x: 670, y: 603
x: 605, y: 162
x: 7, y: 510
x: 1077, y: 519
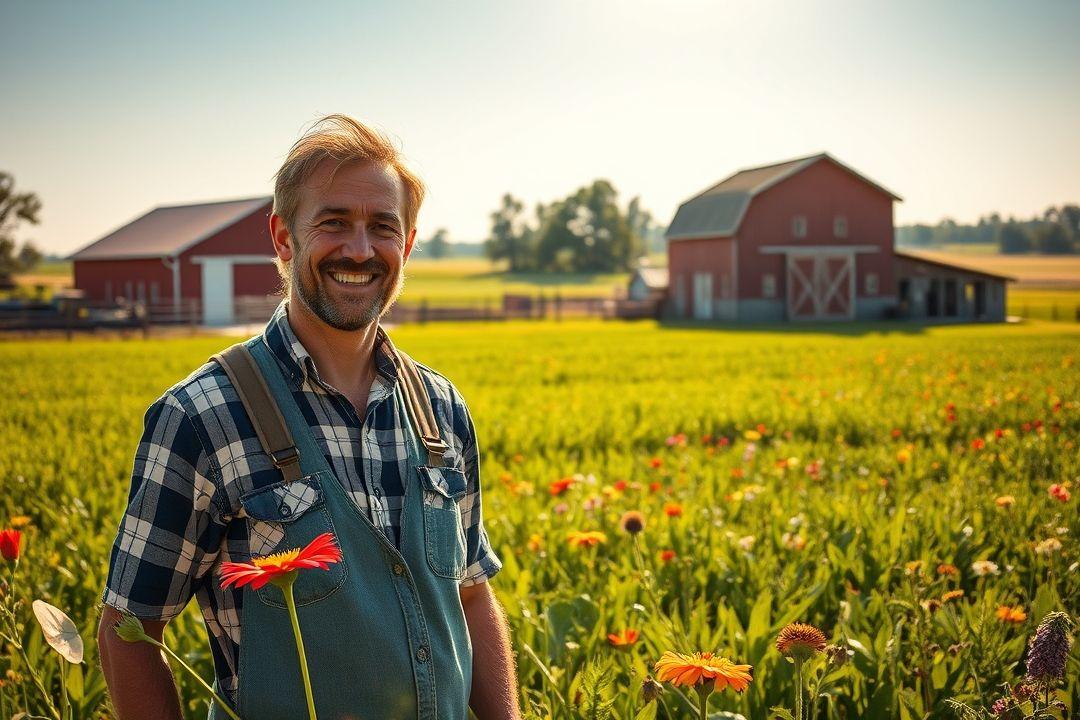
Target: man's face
x: 349, y: 243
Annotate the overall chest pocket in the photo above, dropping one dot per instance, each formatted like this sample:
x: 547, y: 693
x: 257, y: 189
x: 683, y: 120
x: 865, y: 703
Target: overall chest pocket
x: 287, y: 516
x: 444, y: 536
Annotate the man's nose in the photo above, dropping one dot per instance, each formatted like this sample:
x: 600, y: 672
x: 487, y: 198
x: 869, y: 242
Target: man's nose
x: 358, y: 246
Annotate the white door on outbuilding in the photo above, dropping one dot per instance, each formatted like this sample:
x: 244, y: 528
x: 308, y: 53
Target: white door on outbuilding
x: 217, y: 290
x: 703, y: 296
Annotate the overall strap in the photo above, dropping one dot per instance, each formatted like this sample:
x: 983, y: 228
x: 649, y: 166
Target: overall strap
x: 418, y: 407
x: 261, y: 408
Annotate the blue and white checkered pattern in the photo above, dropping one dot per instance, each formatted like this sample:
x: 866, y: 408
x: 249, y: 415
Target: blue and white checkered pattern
x: 199, y: 454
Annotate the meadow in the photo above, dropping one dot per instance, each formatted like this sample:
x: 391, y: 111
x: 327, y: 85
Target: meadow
x: 895, y: 487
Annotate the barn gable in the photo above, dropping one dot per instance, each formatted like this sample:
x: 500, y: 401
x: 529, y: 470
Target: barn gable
x: 719, y: 211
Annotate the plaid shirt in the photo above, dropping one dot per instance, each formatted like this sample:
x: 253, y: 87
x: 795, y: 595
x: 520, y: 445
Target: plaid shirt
x: 199, y: 453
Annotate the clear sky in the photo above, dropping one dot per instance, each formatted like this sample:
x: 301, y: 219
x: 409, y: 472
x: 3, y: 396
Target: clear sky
x: 960, y: 107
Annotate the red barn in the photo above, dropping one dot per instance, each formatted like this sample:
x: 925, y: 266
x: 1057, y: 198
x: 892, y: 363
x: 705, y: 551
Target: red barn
x: 809, y: 239
x: 210, y: 257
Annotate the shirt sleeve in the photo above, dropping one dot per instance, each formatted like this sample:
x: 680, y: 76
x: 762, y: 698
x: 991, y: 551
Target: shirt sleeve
x: 481, y: 561
x: 171, y: 531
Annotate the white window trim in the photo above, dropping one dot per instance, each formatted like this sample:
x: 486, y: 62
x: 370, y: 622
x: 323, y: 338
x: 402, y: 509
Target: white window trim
x: 840, y: 226
x: 799, y: 226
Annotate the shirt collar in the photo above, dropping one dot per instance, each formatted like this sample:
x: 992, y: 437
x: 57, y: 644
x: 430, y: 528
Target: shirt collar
x: 297, y: 361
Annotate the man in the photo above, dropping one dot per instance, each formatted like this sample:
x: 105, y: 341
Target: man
x: 387, y: 634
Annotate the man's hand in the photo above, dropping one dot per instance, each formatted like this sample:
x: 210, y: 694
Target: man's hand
x: 140, y: 682
x: 494, y: 678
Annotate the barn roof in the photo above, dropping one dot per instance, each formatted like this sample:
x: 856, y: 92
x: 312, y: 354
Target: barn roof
x: 718, y: 211
x: 170, y: 230
x: 656, y: 278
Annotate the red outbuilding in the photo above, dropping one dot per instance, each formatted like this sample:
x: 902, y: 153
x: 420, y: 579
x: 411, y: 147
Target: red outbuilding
x: 211, y: 259
x: 810, y: 239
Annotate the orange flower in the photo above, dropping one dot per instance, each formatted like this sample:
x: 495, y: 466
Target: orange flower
x: 696, y: 668
x: 535, y: 543
x: 951, y: 595
x: 656, y: 463
x: 1013, y: 615
x: 800, y: 640
x: 319, y: 553
x: 667, y: 555
x: 560, y: 486
x: 1005, y: 501
x: 623, y: 638
x: 672, y: 509
x: 578, y: 538
x: 947, y: 569
x: 10, y: 541
x: 1059, y: 492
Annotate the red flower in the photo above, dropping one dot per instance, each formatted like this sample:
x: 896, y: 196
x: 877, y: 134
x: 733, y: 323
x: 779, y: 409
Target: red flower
x: 656, y: 463
x: 654, y: 487
x: 667, y: 555
x: 620, y: 485
x: 319, y: 553
x: 10, y: 540
x: 978, y: 444
x: 560, y: 486
x: 623, y: 638
x: 1059, y: 492
x: 672, y: 509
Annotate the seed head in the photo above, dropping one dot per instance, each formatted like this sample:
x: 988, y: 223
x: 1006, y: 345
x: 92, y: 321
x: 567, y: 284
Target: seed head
x: 130, y: 628
x: 650, y: 689
x: 800, y: 641
x: 632, y: 522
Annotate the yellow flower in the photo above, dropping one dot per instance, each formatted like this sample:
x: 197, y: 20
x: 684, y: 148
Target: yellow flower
x: 752, y: 435
x: 19, y: 521
x: 579, y: 539
x: 1005, y: 501
x: 535, y: 543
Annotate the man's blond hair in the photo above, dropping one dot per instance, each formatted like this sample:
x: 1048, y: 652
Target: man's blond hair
x: 343, y: 139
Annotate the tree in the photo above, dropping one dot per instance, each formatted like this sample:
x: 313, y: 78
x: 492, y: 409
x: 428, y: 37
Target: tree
x: 15, y: 209
x: 511, y: 239
x: 438, y: 246
x: 1012, y: 240
x: 1052, y: 239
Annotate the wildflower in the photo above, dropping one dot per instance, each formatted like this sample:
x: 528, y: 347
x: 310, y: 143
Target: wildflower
x: 1005, y: 501
x: 793, y: 541
x: 60, y: 632
x: 978, y: 444
x: 590, y: 538
x: 752, y: 435
x: 1048, y: 546
x: 620, y: 485
x: 800, y: 641
x: 280, y: 567
x: 693, y: 669
x: 667, y: 556
x: 656, y: 463
x: 903, y: 455
x: 672, y: 509
x: 967, y: 531
x: 560, y: 486
x: 748, y: 452
x: 982, y: 568
x: 674, y: 440
x: 1000, y: 706
x: 632, y: 522
x: 913, y: 567
x: 592, y: 503
x: 951, y: 595
x: 746, y: 543
x: 623, y: 638
x: 947, y: 569
x: 1049, y: 649
x: 561, y: 509
x: 650, y: 689
x: 20, y: 521
x: 10, y: 542
x: 1014, y: 615
x: 535, y: 543
x: 1059, y: 492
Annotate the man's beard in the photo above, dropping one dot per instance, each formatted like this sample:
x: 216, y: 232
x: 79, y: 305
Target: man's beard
x: 347, y: 314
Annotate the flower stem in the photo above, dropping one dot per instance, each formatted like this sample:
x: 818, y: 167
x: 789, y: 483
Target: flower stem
x: 220, y: 701
x: 65, y: 704
x: 704, y: 690
x: 287, y: 589
x: 798, y: 690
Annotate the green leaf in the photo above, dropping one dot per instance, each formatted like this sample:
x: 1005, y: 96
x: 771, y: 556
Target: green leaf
x: 75, y: 682
x: 781, y: 713
x: 647, y: 713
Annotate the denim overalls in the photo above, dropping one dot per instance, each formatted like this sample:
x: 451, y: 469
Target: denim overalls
x: 384, y: 631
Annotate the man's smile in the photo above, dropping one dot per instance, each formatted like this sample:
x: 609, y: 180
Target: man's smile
x: 353, y: 279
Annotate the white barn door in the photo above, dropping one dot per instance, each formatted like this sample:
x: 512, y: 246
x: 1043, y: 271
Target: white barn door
x: 703, y: 296
x: 820, y: 286
x: 217, y: 291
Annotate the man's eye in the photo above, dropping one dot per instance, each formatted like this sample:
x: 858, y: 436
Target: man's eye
x: 386, y: 228
x: 333, y: 222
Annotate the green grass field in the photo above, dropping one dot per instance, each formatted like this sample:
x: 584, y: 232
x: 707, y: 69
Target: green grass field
x: 814, y: 474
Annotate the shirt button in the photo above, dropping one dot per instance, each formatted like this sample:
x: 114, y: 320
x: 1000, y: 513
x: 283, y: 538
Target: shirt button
x: 399, y: 569
x: 422, y: 653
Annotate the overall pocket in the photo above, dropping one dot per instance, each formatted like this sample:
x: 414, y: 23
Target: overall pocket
x: 444, y: 536
x: 287, y: 516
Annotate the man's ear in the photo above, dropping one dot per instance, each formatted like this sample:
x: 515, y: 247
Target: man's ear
x: 409, y: 242
x: 279, y: 233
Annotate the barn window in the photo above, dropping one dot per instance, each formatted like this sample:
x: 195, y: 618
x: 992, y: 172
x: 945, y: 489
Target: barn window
x: 870, y: 282
x: 768, y: 285
x: 839, y: 226
x: 798, y: 226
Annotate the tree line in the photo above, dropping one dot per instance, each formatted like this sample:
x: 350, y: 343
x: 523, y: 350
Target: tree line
x: 585, y: 232
x: 16, y: 208
x: 1055, y: 232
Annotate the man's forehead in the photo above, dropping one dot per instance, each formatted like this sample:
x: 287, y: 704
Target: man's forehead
x: 354, y: 184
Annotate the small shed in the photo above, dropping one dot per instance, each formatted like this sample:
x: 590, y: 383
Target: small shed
x: 648, y: 283
x: 929, y: 289
x: 206, y: 258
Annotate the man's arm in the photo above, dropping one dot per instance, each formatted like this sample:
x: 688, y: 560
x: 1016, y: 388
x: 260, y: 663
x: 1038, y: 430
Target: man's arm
x: 494, y: 678
x: 140, y: 682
